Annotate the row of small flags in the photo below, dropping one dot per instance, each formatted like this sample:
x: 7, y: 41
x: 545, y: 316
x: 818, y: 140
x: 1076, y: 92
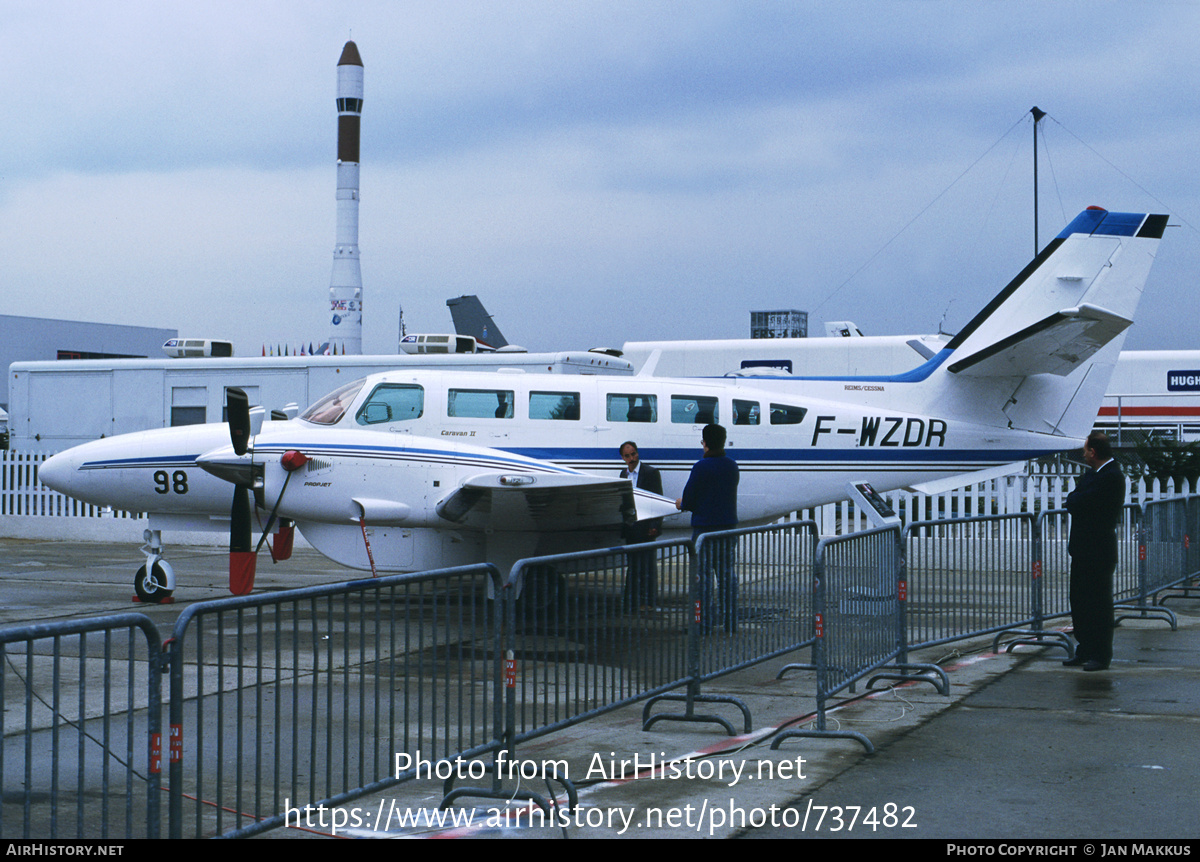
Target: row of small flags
x: 287, y: 350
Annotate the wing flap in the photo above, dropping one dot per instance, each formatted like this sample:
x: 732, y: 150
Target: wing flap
x: 554, y: 502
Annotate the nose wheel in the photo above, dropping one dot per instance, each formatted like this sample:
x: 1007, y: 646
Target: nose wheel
x: 154, y: 581
x: 150, y: 583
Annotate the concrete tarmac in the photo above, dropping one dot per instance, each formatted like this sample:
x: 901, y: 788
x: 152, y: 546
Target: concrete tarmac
x: 1022, y: 748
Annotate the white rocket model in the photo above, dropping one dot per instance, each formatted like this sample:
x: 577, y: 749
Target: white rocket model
x: 345, y: 287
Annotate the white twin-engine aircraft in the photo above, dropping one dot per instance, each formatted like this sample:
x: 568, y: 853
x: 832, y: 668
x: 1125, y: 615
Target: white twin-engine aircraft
x: 406, y: 471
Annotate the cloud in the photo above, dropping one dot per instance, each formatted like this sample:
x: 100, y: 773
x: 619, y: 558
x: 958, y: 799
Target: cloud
x: 581, y: 161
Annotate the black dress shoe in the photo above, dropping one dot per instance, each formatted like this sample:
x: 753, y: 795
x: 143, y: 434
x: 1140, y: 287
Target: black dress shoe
x: 1095, y: 665
x: 1075, y: 662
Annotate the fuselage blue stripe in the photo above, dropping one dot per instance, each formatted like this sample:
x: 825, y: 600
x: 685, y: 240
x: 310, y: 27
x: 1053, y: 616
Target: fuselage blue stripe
x: 553, y: 459
x: 156, y: 461
x: 915, y: 375
x: 655, y: 456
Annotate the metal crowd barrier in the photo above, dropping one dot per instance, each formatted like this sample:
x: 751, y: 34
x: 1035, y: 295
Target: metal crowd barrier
x: 773, y: 608
x: 1006, y: 575
x: 1192, y: 538
x: 1130, y: 552
x: 968, y: 577
x: 586, y: 633
x: 997, y: 574
x: 283, y: 702
x: 1189, y: 588
x: 752, y: 600
x: 317, y: 696
x: 1053, y: 565
x: 859, y: 602
x: 85, y: 764
x: 1162, y: 562
x: 591, y: 632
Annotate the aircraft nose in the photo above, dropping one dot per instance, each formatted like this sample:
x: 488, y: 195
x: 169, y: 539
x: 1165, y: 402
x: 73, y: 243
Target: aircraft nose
x: 59, y: 472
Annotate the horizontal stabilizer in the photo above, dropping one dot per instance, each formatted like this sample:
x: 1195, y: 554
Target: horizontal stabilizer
x: 962, y: 480
x: 550, y: 502
x: 1057, y: 344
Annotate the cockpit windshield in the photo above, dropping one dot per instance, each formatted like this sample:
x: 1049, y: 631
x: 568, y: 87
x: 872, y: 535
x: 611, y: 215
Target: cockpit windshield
x: 330, y: 409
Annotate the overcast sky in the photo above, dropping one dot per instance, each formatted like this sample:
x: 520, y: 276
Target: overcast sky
x: 595, y: 172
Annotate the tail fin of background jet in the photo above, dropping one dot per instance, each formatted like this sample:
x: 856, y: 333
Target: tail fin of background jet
x: 470, y: 318
x: 1050, y: 339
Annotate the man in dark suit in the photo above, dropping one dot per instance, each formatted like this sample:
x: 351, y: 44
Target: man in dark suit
x: 1095, y: 507
x: 641, y: 581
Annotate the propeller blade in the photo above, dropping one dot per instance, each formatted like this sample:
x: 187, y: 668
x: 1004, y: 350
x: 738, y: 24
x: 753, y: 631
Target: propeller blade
x: 242, y: 558
x: 238, y: 408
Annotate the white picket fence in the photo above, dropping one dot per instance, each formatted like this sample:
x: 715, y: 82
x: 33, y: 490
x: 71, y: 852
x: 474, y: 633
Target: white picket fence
x: 1040, y: 487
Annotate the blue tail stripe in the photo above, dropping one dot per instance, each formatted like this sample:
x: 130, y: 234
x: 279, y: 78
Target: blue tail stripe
x: 1103, y: 223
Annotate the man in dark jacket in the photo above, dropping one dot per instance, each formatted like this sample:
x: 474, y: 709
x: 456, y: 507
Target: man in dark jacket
x: 641, y: 579
x: 711, y: 496
x: 1095, y: 507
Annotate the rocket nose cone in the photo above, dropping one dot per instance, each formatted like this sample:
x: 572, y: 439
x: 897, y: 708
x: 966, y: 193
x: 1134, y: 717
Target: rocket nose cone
x: 350, y: 56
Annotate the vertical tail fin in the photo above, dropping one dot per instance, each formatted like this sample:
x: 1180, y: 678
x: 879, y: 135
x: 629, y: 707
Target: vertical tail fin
x: 471, y: 318
x: 1050, y: 339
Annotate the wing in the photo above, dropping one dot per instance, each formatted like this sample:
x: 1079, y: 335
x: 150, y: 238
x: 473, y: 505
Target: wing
x: 549, y: 503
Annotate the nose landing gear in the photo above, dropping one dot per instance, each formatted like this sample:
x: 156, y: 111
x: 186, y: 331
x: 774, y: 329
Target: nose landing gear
x: 155, y: 581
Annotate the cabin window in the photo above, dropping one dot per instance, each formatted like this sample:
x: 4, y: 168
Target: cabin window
x: 330, y: 409
x: 480, y: 403
x: 632, y: 408
x: 746, y: 412
x: 392, y: 402
x: 694, y: 410
x: 785, y: 414
x: 553, y: 405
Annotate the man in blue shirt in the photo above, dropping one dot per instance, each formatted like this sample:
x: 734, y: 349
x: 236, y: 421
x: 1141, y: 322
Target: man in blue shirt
x: 711, y: 496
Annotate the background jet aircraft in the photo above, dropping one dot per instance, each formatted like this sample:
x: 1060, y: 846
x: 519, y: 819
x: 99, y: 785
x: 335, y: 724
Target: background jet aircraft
x: 405, y: 471
x: 471, y: 318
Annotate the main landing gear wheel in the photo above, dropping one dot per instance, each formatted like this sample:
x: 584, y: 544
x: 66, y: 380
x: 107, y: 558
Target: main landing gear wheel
x: 150, y: 583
